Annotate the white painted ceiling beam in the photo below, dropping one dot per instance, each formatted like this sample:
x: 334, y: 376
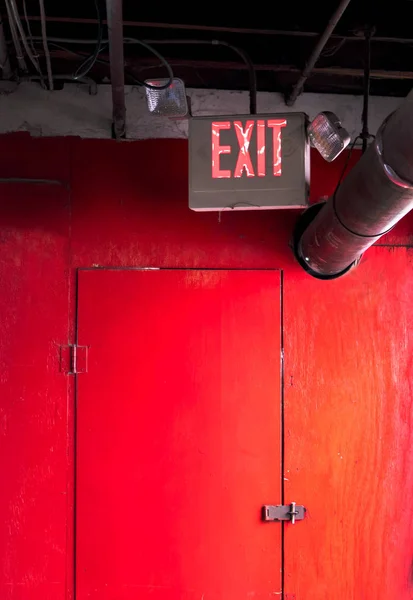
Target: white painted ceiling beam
x: 73, y: 111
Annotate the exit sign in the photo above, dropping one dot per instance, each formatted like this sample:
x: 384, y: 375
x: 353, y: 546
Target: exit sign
x: 248, y: 162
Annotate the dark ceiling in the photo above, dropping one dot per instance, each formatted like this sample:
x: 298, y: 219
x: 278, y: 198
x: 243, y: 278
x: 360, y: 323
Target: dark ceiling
x: 279, y: 40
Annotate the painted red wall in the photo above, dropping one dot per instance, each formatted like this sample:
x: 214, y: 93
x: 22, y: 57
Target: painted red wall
x: 121, y: 204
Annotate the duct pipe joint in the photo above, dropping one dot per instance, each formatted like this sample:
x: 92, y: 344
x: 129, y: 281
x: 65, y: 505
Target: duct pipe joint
x: 303, y: 222
x: 388, y: 170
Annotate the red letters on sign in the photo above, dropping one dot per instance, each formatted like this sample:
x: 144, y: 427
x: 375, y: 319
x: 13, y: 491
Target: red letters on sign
x: 244, y: 159
x: 217, y: 150
x: 244, y: 135
x: 261, y: 148
x: 276, y: 125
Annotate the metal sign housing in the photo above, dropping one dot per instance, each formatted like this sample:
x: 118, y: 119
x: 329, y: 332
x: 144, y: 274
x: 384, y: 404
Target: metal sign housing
x: 248, y: 162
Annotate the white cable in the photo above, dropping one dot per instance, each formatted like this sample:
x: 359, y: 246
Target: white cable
x: 23, y: 35
x: 29, y: 30
x: 19, y: 54
x: 45, y: 46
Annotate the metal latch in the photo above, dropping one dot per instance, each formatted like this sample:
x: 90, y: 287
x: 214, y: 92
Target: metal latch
x: 283, y: 512
x: 74, y: 359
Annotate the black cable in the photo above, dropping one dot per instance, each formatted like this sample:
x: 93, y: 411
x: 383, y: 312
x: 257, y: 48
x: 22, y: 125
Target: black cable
x: 251, y: 72
x: 343, y: 172
x: 332, y: 51
x: 80, y: 54
x: 100, y: 61
x: 163, y: 61
x: 87, y: 64
x: 241, y: 53
x: 366, y: 88
x: 148, y: 44
x: 94, y: 59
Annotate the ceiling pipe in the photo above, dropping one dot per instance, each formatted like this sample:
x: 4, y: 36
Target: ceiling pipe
x: 237, y: 66
x: 330, y: 238
x: 16, y: 41
x: 355, y: 37
x: 5, y: 67
x: 315, y: 55
x: 117, y: 67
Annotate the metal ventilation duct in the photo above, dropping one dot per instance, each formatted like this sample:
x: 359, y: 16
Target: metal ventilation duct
x: 330, y: 238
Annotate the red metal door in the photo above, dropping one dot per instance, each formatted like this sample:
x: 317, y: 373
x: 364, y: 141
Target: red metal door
x: 178, y: 435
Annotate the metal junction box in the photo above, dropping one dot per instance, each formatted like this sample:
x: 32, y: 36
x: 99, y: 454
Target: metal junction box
x: 248, y: 162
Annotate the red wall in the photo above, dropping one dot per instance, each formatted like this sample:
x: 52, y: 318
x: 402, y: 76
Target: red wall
x: 122, y: 204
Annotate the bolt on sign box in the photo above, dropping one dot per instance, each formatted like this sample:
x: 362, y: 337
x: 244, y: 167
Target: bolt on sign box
x: 248, y: 162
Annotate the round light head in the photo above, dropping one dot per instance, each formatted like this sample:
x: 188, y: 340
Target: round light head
x: 168, y: 102
x: 327, y: 135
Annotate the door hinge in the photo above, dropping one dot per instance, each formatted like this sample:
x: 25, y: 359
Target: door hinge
x: 74, y: 359
x: 283, y: 512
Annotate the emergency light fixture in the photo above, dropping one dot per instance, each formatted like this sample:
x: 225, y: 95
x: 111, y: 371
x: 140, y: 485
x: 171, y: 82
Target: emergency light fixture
x: 167, y: 102
x: 327, y: 135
